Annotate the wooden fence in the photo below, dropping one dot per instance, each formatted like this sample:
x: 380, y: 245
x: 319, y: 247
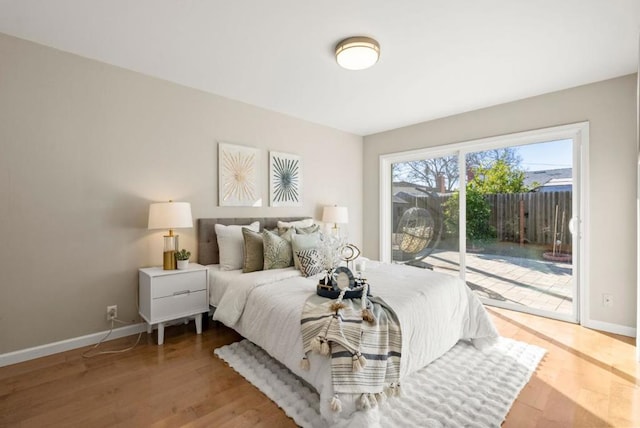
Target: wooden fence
x: 533, y: 214
x: 538, y: 214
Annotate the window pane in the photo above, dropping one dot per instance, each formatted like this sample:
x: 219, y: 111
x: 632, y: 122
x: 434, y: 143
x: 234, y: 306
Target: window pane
x: 422, y: 191
x: 519, y: 205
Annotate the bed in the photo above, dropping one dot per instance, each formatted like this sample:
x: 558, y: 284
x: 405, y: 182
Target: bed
x: 435, y: 312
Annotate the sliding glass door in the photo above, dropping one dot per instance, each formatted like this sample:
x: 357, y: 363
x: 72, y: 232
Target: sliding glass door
x: 520, y: 202
x: 503, y: 213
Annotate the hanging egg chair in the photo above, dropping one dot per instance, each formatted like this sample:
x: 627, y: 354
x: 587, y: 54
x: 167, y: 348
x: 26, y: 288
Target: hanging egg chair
x: 417, y: 235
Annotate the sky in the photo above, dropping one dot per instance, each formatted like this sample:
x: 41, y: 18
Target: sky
x: 550, y: 155
x: 534, y: 157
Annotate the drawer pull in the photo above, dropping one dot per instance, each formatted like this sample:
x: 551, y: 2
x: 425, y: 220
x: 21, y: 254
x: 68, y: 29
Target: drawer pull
x: 178, y: 293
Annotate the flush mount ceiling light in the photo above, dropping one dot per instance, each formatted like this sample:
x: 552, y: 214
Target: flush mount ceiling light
x: 357, y: 53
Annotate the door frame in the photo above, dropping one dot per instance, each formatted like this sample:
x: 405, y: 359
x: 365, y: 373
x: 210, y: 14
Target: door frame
x: 578, y: 132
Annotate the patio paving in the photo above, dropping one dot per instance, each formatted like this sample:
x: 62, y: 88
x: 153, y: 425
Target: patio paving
x: 539, y: 284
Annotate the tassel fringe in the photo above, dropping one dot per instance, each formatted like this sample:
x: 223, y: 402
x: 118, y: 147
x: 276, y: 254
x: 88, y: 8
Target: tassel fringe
x: 316, y: 344
x: 336, y: 306
x: 336, y: 404
x: 356, y: 367
x: 373, y: 400
x: 304, y: 364
x: 362, y: 360
x: 359, y: 362
x: 363, y: 402
x: 394, y: 390
x: 367, y: 316
x: 325, y: 349
x: 320, y: 345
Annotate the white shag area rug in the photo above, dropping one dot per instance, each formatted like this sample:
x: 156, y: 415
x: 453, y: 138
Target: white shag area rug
x: 465, y: 387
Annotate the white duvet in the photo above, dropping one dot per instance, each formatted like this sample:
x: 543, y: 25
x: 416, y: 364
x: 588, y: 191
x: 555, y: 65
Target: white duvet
x: 435, y: 311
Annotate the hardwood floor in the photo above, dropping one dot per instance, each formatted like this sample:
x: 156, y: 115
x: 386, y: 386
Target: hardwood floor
x: 587, y: 379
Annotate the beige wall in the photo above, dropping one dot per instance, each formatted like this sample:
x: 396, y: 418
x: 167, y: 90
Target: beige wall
x: 85, y: 147
x: 610, y: 107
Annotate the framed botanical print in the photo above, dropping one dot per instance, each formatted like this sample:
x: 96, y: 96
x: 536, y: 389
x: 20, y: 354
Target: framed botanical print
x: 238, y: 176
x: 285, y: 180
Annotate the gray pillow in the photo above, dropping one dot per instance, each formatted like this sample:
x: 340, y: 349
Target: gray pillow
x: 310, y: 262
x: 304, y: 242
x: 253, y: 251
x: 277, y: 249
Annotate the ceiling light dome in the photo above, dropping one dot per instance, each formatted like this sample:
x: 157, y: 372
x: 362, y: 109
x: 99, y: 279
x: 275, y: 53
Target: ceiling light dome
x: 357, y: 53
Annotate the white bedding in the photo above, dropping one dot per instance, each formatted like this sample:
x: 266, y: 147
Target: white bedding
x: 220, y: 280
x: 435, y: 311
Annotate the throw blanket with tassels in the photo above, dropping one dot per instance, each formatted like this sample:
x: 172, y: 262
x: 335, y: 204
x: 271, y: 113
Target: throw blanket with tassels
x: 365, y: 355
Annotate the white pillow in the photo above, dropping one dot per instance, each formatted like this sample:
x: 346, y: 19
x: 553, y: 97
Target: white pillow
x: 304, y: 242
x: 231, y: 243
x: 300, y: 223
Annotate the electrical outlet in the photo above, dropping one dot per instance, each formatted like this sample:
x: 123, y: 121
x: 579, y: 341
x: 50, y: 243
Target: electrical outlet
x: 112, y: 312
x: 607, y: 300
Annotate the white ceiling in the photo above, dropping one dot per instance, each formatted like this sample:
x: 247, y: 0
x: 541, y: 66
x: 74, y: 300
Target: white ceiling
x: 438, y: 57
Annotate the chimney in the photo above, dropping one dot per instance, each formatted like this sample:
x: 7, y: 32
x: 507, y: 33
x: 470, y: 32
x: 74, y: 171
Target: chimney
x: 471, y: 174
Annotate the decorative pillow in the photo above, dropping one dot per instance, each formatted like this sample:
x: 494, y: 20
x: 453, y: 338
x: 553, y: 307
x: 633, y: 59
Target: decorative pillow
x: 304, y: 242
x: 300, y: 223
x: 307, y: 230
x: 230, y: 242
x: 310, y: 262
x: 253, y: 251
x: 277, y: 249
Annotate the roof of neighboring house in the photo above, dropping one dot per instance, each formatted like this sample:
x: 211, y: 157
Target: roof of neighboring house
x: 556, y: 185
x: 414, y: 190
x: 543, y: 177
x: 398, y: 200
x: 410, y: 197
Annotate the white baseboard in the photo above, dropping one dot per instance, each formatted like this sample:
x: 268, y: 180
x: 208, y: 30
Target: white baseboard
x: 610, y: 327
x: 68, y: 344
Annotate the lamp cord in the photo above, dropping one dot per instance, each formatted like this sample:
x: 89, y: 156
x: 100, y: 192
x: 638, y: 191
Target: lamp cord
x: 87, y: 353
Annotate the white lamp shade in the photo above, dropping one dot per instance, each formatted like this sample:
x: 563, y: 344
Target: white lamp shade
x: 357, y: 53
x: 170, y: 215
x: 335, y: 215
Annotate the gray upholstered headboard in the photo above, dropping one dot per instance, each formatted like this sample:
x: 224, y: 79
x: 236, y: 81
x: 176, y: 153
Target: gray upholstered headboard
x: 208, y: 251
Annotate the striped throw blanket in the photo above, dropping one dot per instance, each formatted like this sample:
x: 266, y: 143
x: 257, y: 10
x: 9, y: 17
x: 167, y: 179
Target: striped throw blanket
x: 365, y: 355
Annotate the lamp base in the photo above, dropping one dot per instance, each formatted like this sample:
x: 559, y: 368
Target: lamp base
x: 169, y: 260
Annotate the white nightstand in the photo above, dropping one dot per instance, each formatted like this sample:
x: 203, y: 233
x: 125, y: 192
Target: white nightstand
x: 167, y: 295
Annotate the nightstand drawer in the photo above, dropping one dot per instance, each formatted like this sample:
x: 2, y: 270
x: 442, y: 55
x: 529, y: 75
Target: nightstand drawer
x: 178, y: 284
x: 179, y: 305
x: 167, y: 295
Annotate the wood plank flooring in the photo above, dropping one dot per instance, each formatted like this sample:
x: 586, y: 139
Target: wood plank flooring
x: 587, y: 379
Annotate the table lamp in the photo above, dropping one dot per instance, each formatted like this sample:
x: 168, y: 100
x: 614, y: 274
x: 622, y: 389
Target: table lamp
x: 170, y: 215
x: 336, y: 215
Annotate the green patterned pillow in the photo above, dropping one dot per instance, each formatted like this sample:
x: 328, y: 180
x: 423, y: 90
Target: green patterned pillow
x: 277, y: 249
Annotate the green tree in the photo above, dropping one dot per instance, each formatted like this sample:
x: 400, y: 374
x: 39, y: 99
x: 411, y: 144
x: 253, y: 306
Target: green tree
x: 478, y: 216
x: 500, y: 177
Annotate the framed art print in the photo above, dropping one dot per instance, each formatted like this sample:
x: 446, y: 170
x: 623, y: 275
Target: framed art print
x: 285, y: 180
x: 238, y: 176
